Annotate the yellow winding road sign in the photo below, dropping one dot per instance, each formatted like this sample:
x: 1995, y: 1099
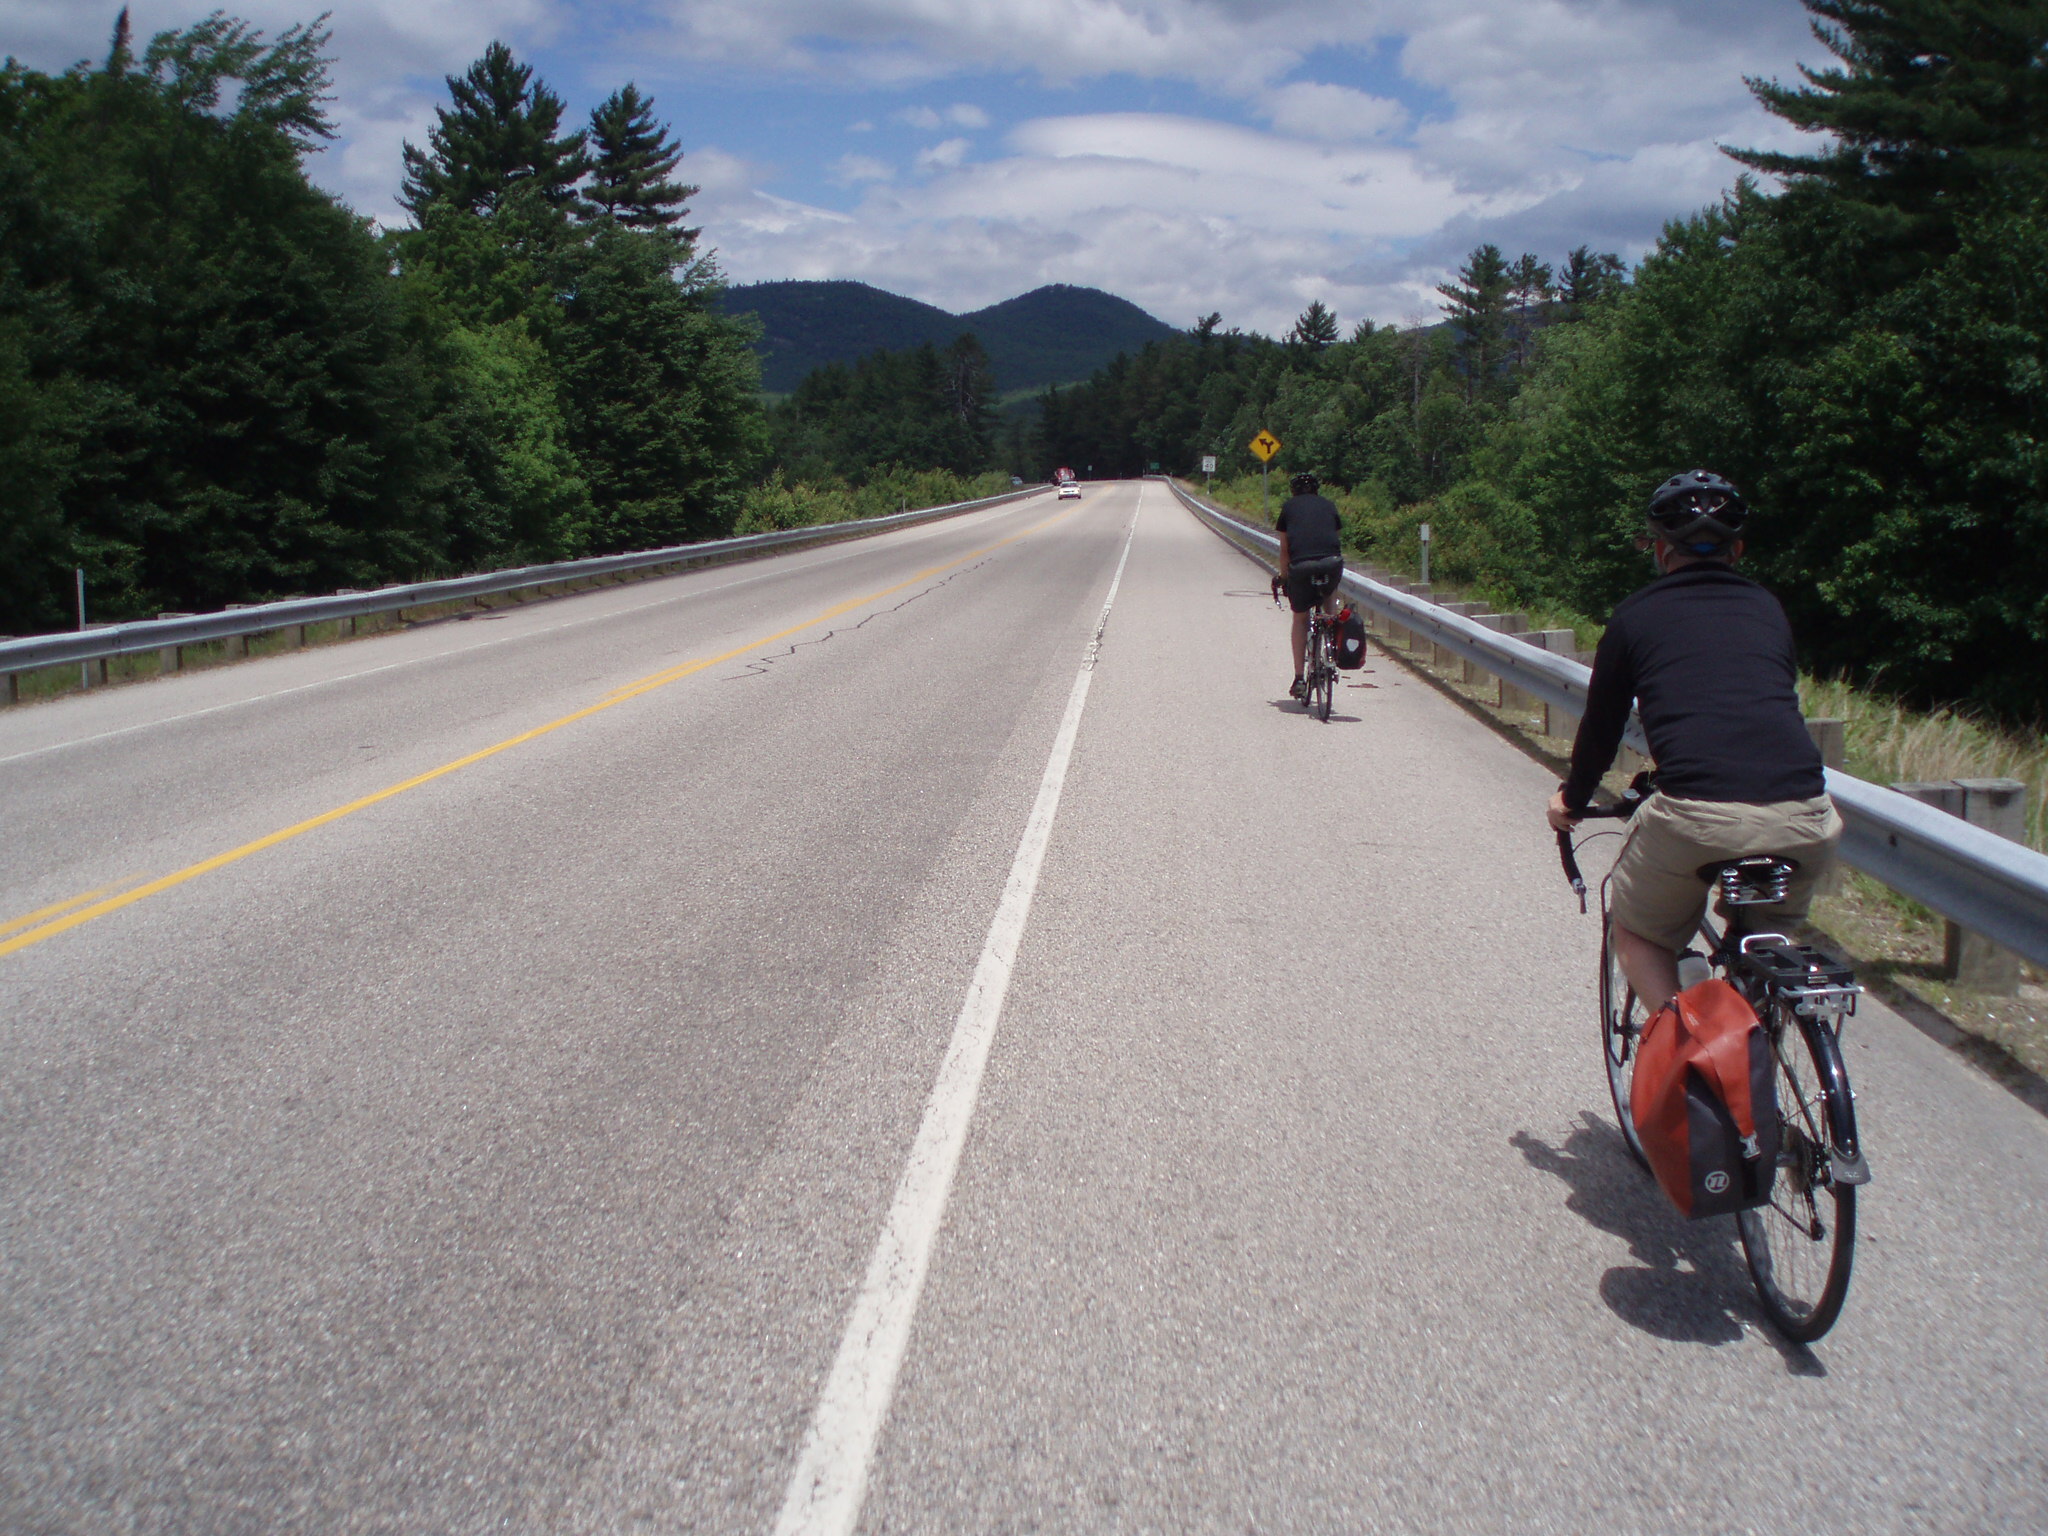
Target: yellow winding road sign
x: 1265, y: 445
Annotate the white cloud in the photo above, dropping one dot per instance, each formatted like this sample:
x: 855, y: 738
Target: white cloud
x: 1332, y: 112
x: 959, y: 115
x: 943, y: 155
x: 1540, y: 124
x: 1178, y: 214
x: 851, y: 169
x: 388, y: 60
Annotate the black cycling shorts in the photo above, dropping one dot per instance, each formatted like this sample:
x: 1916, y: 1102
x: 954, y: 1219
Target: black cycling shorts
x: 1309, y: 582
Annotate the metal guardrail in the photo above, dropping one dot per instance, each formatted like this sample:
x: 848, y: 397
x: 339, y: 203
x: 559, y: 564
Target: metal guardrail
x: 37, y: 651
x: 1989, y: 885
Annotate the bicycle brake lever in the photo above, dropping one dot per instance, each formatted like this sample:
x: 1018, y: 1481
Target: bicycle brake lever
x: 1569, y: 858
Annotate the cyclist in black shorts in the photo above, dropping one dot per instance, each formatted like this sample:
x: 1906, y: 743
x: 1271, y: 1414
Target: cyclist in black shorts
x: 1311, y: 559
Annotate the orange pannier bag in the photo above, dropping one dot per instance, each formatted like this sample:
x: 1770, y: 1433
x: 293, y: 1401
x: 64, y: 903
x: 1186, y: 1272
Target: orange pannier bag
x: 1705, y: 1101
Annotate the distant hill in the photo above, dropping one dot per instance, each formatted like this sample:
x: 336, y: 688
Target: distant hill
x: 1051, y: 335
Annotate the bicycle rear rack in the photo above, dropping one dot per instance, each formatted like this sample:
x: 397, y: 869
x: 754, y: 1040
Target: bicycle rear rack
x: 1809, y: 983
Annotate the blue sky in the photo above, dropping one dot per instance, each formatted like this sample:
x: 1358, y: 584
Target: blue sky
x: 1192, y: 155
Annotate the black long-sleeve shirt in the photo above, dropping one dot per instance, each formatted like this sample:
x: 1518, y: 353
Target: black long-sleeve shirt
x: 1313, y: 526
x: 1707, y: 657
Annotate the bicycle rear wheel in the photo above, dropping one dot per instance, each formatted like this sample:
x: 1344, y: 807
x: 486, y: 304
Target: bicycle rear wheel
x: 1621, y: 1031
x: 1323, y: 694
x: 1800, y: 1246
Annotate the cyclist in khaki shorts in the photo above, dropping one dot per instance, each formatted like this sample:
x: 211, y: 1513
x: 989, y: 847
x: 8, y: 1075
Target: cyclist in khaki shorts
x: 1706, y: 655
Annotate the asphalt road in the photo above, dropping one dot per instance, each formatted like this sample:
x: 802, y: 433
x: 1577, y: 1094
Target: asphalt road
x: 508, y: 1152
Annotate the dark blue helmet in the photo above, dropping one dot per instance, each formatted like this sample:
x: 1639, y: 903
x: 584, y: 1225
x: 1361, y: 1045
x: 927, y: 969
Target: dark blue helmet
x: 1304, y: 484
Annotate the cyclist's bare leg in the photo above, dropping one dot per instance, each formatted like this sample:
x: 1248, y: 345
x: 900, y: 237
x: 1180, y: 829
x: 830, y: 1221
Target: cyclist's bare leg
x: 1651, y: 969
x: 1299, y: 641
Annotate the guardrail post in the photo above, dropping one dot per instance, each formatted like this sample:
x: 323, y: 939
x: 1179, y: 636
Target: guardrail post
x: 1832, y: 737
x: 1443, y: 655
x: 1395, y: 630
x: 1998, y: 806
x: 172, y: 657
x: 1512, y: 700
x: 1474, y: 673
x: 1950, y: 797
x: 1422, y: 592
x: 1559, y: 642
x: 234, y: 645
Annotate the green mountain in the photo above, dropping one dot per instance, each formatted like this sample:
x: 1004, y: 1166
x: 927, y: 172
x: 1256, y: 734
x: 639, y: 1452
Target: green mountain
x: 1052, y: 335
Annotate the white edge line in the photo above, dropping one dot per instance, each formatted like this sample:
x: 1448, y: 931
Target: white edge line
x: 463, y: 650
x: 830, y: 1481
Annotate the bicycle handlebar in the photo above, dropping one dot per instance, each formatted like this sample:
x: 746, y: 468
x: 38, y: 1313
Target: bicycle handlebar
x: 1632, y: 798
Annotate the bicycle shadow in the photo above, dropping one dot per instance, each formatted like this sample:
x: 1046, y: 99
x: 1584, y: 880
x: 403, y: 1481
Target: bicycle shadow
x: 1690, y: 1284
x: 1295, y: 707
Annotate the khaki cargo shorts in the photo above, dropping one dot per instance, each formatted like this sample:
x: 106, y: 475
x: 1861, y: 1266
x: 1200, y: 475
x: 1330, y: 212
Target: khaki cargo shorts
x: 1657, y: 891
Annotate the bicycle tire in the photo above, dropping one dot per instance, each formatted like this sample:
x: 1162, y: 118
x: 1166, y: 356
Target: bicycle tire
x: 1325, y: 692
x: 1801, y: 1245
x: 1621, y: 1029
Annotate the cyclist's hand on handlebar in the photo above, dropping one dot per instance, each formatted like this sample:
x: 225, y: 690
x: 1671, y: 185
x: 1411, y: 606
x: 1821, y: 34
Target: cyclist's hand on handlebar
x: 1276, y: 589
x: 1560, y: 818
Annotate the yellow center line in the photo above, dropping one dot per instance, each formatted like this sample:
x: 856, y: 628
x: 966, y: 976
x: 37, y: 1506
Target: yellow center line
x: 63, y: 924
x: 28, y: 919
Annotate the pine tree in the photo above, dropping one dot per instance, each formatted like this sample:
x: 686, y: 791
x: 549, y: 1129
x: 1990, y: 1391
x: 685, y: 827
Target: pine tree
x: 121, y: 51
x: 629, y: 171
x: 1315, y: 328
x: 1588, y: 277
x: 1529, y: 286
x: 501, y: 134
x: 1936, y: 100
x: 1478, y: 306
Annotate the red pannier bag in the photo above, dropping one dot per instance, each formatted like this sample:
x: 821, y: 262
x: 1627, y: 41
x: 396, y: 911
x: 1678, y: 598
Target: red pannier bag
x: 1705, y: 1101
x: 1350, y: 639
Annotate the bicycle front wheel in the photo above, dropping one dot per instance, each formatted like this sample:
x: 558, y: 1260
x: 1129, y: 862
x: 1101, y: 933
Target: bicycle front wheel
x: 1800, y: 1245
x: 1621, y: 1032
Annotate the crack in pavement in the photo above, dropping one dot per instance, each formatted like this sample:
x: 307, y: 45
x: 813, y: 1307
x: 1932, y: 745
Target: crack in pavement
x: 758, y: 666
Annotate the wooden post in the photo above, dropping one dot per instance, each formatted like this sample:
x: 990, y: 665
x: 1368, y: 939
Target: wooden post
x: 1510, y: 698
x: 1424, y: 593
x: 1444, y: 656
x: 1559, y: 642
x: 1947, y: 797
x: 172, y: 657
x: 1831, y: 736
x: 1474, y: 673
x: 1998, y: 806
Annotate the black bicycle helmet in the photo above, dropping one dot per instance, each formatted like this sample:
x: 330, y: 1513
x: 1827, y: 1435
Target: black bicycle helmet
x: 1304, y: 484
x: 1698, y: 511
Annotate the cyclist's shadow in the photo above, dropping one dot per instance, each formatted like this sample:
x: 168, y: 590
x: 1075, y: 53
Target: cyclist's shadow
x: 1690, y: 1284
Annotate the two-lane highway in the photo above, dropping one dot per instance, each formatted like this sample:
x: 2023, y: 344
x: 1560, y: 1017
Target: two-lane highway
x: 507, y: 1144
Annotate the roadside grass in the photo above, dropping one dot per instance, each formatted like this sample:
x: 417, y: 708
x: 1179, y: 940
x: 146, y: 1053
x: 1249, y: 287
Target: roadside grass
x: 1888, y: 744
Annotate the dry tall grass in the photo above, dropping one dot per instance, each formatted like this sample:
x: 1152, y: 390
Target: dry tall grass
x: 1888, y: 743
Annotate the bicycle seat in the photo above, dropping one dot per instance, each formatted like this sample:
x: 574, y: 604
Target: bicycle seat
x: 1757, y: 880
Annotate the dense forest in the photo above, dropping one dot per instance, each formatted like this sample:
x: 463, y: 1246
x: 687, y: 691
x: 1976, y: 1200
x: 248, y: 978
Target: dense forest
x: 1865, y: 351
x: 218, y: 384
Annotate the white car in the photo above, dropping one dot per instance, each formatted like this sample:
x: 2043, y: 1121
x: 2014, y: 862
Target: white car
x: 1069, y: 488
